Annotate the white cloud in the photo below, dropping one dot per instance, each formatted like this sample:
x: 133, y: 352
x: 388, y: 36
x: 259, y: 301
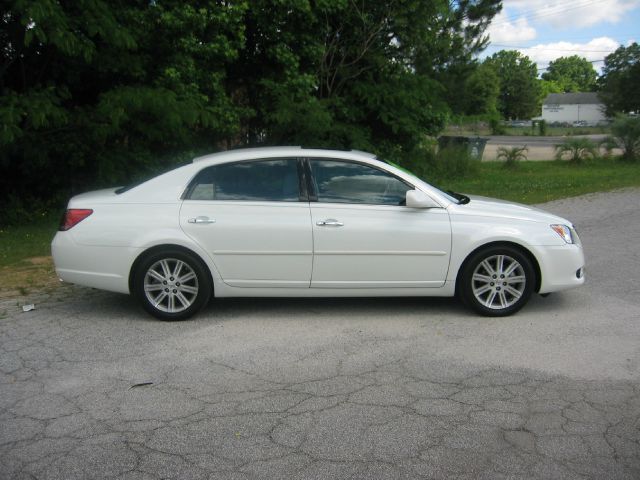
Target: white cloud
x: 596, y: 49
x: 578, y: 13
x: 503, y: 30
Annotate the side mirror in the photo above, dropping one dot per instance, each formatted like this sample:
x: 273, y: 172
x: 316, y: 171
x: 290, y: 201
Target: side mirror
x: 418, y: 199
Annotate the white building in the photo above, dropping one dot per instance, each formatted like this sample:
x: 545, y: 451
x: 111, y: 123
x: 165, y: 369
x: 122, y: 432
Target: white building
x: 582, y: 108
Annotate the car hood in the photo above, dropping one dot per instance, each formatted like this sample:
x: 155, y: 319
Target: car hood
x: 491, y: 207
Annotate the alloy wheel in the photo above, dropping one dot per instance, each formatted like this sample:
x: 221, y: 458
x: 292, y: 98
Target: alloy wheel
x: 171, y: 285
x: 498, y: 282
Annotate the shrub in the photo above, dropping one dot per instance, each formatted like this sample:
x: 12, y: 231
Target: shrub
x: 542, y: 127
x: 455, y: 162
x: 576, y: 150
x: 435, y: 164
x: 627, y: 132
x: 496, y: 125
x: 512, y: 156
x: 16, y: 209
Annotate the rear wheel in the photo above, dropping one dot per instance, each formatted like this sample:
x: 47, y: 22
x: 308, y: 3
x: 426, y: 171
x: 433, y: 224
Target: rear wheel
x: 172, y: 284
x: 497, y: 281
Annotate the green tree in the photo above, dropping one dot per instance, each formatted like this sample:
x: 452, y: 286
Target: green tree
x: 368, y: 75
x: 572, y: 74
x: 97, y: 92
x: 620, y: 80
x: 549, y: 86
x: 519, y: 85
x: 481, y: 91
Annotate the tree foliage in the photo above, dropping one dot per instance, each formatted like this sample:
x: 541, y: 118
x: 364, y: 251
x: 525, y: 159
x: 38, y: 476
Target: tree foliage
x: 549, y: 86
x: 481, y: 92
x: 572, y: 74
x: 620, y: 80
x: 97, y: 92
x: 519, y: 85
x: 627, y: 134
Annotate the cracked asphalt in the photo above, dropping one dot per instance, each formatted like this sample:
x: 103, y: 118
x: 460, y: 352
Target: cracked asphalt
x: 91, y: 387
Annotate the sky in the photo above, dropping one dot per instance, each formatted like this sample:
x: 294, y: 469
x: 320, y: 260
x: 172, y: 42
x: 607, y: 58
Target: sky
x: 547, y: 29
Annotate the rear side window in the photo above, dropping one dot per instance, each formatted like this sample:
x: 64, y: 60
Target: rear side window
x: 262, y: 180
x: 337, y: 181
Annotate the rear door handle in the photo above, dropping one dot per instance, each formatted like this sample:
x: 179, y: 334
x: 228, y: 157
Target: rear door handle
x: 329, y: 222
x: 201, y: 219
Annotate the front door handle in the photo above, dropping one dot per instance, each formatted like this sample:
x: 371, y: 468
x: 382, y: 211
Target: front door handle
x: 201, y: 219
x: 329, y: 222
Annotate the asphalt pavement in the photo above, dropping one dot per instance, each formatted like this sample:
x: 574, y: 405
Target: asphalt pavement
x: 533, y: 140
x: 91, y: 387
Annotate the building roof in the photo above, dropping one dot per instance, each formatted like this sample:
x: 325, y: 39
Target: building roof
x: 578, y: 98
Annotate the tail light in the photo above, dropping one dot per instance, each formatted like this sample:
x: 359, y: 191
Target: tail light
x: 72, y: 217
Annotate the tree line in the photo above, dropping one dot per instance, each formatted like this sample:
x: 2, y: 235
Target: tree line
x: 103, y: 92
x: 509, y: 82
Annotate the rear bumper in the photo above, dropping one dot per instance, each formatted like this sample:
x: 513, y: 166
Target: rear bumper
x: 561, y: 267
x: 105, y: 268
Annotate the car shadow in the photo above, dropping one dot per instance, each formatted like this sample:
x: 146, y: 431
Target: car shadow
x: 103, y: 305
x: 374, y: 306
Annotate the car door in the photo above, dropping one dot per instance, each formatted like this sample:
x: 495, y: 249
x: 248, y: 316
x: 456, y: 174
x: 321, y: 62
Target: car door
x: 364, y: 236
x: 253, y: 219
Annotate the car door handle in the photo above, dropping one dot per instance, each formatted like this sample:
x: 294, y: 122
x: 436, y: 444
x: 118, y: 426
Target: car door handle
x: 330, y: 222
x: 201, y: 219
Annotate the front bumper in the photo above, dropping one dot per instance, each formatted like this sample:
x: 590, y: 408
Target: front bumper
x: 561, y: 267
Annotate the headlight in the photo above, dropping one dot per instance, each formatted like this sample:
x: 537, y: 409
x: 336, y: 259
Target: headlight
x: 564, y: 231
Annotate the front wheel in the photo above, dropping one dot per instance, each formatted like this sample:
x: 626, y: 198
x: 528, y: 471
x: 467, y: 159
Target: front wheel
x: 497, y: 281
x: 172, y: 284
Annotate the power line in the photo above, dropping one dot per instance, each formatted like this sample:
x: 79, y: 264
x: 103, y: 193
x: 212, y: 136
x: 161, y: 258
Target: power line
x: 549, y: 49
x: 554, y: 11
x: 537, y: 14
x: 616, y: 36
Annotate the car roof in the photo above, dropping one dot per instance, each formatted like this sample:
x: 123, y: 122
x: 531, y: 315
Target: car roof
x: 270, y: 152
x: 171, y: 185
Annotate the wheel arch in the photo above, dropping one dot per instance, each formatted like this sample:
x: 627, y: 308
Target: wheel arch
x: 165, y: 246
x: 522, y: 249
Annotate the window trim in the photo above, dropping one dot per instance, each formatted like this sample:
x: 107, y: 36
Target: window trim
x: 313, y: 194
x: 303, y: 195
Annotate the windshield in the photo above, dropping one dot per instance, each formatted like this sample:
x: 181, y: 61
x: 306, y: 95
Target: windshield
x: 453, y: 197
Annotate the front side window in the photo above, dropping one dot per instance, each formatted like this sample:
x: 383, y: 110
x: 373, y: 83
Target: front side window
x: 337, y: 181
x: 261, y: 180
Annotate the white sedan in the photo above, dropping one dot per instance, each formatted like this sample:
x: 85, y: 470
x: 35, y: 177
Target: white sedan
x: 294, y: 222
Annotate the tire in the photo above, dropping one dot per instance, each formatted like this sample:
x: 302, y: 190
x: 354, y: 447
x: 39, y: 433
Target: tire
x: 172, y: 284
x: 497, y: 281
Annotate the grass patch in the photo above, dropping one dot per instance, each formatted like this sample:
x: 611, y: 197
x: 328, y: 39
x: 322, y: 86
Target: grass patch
x: 538, y: 182
x: 25, y: 258
x: 24, y: 241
